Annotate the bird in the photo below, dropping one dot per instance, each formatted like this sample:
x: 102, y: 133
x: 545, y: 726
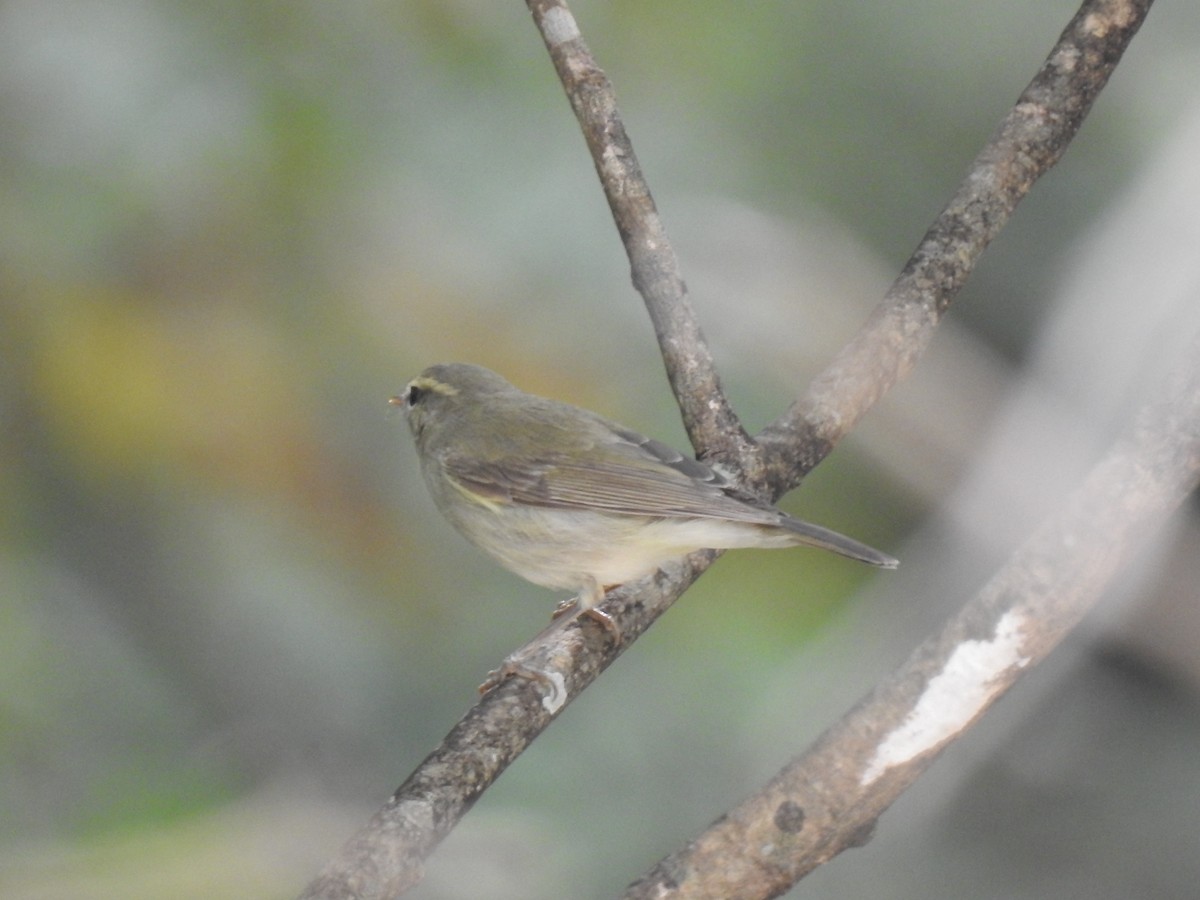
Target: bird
x: 569, y: 500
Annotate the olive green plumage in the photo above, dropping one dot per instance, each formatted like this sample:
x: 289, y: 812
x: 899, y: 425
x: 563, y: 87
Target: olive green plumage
x: 567, y: 499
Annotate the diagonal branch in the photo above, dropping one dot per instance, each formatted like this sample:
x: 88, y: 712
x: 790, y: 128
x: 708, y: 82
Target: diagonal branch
x: 387, y: 855
x: 1029, y: 141
x: 828, y: 799
x: 711, y: 425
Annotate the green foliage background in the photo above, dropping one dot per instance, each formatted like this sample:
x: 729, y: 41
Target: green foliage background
x: 230, y: 621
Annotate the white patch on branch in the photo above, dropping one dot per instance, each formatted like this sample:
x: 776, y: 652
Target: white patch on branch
x: 554, y: 698
x: 953, y: 697
x: 559, y: 26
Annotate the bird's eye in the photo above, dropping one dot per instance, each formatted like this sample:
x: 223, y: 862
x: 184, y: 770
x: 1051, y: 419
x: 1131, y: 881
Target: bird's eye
x: 414, y: 395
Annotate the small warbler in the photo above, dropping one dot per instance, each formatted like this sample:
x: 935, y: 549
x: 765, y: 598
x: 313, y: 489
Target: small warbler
x: 570, y: 500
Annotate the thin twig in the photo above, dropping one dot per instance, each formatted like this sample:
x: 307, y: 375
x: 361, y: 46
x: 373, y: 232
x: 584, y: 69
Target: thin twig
x: 712, y: 427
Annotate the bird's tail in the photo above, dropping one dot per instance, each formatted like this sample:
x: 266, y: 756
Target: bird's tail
x: 816, y: 536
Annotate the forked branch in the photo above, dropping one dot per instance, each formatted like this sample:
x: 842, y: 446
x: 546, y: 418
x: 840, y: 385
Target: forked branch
x: 387, y: 855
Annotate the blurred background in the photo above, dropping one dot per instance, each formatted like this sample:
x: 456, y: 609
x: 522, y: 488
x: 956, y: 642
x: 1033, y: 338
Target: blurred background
x: 231, y: 621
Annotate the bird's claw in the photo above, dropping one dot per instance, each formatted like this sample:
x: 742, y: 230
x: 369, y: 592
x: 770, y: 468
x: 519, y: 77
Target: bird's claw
x: 604, y: 620
x: 517, y: 665
x: 577, y: 608
x: 554, y: 687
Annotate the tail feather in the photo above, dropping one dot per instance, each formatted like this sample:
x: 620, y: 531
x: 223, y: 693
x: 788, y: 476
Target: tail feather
x: 816, y: 536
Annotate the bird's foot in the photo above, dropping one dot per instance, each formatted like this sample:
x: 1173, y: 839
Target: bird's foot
x: 585, y: 605
x: 564, y: 606
x: 521, y: 663
x: 554, y: 689
x: 535, y: 662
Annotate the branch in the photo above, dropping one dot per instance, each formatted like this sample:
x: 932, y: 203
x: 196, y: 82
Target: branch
x: 828, y: 799
x: 1029, y: 141
x: 387, y: 855
x: 712, y: 427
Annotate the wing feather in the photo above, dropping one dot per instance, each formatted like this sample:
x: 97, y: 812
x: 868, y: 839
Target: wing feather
x: 629, y: 474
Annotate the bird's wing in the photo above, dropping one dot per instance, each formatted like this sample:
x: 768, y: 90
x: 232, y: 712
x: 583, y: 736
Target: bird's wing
x: 625, y: 473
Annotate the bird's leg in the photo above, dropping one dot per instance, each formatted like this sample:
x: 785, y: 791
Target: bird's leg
x: 518, y: 664
x: 587, y: 603
x: 566, y: 612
